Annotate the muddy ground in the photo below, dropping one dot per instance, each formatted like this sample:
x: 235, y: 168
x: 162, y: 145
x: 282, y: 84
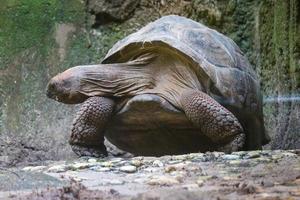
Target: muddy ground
x: 213, y: 175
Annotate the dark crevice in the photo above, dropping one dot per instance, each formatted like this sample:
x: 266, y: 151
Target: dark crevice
x: 103, y: 18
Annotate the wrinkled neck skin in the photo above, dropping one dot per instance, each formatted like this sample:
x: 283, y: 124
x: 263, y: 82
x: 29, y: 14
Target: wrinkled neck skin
x: 116, y: 80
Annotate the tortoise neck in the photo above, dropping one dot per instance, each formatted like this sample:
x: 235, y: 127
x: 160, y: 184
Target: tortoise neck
x: 118, y: 80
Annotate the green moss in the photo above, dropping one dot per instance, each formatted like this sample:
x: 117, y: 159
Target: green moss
x: 27, y: 23
x: 90, y: 48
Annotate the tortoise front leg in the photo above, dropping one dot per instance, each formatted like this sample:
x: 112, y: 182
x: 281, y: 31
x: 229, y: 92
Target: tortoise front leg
x: 87, y: 134
x: 215, y: 121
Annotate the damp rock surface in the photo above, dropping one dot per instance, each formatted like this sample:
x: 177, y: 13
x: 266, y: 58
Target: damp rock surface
x: 240, y: 175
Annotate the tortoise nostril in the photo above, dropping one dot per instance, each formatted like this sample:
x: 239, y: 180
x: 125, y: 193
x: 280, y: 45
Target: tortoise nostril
x: 51, y: 89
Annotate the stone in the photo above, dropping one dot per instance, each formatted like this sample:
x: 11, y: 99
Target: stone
x: 107, y: 182
x: 262, y: 160
x: 77, y: 179
x: 230, y: 178
x: 163, y: 181
x: 107, y: 164
x: 200, y: 182
x: 116, y: 160
x: 191, y: 186
x: 239, y: 153
x: 235, y: 162
x: 58, y: 168
x: 157, y: 163
x: 116, y: 182
x: 187, y: 166
x: 205, y: 178
x: 92, y: 160
x: 100, y: 169
x: 136, y: 163
x: 78, y: 166
x: 217, y: 154
x: 34, y: 168
x: 128, y: 169
x: 180, y: 157
x: 174, y: 161
x: 267, y: 183
x: 170, y: 169
x: 151, y: 169
x: 139, y: 180
x: 289, y: 154
x: 252, y: 154
x: 230, y: 157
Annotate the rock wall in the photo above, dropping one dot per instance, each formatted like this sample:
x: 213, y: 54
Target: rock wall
x: 41, y: 38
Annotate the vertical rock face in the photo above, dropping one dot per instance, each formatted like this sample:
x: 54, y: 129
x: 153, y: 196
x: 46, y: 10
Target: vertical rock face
x: 41, y: 38
x: 279, y: 67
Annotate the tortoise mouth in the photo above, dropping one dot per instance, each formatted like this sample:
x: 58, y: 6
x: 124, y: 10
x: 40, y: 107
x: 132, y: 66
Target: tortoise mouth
x: 67, y: 98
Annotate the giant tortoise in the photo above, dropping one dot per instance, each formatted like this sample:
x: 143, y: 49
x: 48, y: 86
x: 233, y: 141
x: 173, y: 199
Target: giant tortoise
x: 175, y: 86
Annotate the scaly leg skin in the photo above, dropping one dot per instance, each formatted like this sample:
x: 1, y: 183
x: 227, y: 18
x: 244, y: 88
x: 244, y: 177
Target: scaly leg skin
x: 87, y: 136
x: 215, y: 121
x: 236, y: 144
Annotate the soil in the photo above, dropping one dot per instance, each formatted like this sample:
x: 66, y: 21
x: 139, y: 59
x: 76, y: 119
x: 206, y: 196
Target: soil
x: 213, y: 175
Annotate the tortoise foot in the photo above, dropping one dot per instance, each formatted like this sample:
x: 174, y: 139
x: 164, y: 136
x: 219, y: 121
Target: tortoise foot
x: 236, y: 145
x: 87, y: 135
x: 98, y: 151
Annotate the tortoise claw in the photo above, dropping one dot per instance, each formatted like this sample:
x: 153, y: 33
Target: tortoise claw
x: 91, y: 151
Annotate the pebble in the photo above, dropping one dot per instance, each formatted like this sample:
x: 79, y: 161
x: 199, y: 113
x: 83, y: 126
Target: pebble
x: 128, y: 169
x: 100, y: 169
x: 217, y: 154
x: 267, y: 183
x: 174, y: 162
x: 252, y: 154
x: 230, y: 178
x: 139, y: 180
x: 34, y: 168
x: 116, y: 182
x: 170, y: 168
x: 235, y: 162
x: 277, y: 157
x: 116, y: 160
x: 230, y: 157
x: 58, y: 168
x: 92, y: 160
x: 176, y: 167
x: 107, y: 164
x: 191, y: 186
x: 151, y: 169
x: 289, y: 154
x: 107, y: 182
x: 78, y: 166
x: 205, y: 178
x: 163, y: 181
x: 157, y: 163
x: 262, y: 160
x: 200, y: 182
x: 136, y: 163
x: 239, y: 153
x: 77, y: 179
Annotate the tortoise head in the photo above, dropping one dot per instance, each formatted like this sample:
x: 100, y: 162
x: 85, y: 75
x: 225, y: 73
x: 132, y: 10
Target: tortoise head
x: 65, y: 87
